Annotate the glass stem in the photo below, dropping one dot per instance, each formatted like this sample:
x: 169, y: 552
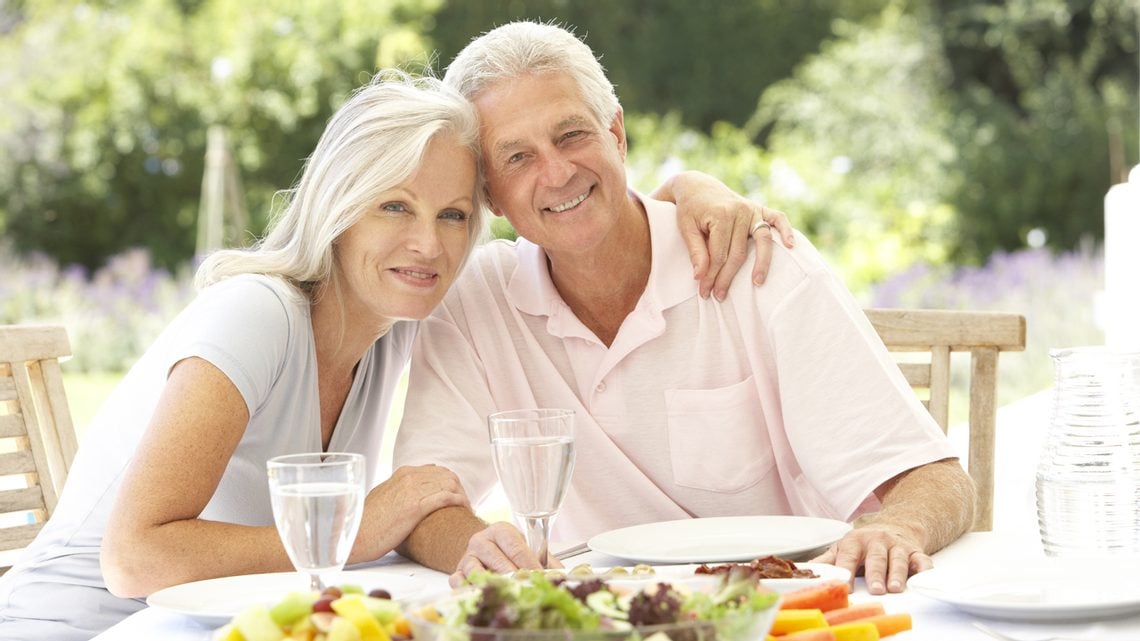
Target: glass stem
x: 315, y: 584
x: 538, y: 536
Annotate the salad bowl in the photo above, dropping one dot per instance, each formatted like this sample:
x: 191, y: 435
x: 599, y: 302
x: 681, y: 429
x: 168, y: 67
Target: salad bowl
x: 545, y: 608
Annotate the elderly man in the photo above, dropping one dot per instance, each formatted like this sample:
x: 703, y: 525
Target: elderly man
x: 778, y: 400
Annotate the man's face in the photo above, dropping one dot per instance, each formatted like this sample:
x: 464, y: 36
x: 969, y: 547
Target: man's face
x: 552, y: 169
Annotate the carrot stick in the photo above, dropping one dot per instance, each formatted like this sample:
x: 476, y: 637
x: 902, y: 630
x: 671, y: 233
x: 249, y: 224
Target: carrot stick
x: 854, y: 613
x: 888, y: 624
x: 831, y: 595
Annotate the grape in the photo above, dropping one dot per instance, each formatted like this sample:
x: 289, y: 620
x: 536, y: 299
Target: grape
x: 380, y: 593
x: 324, y: 604
x: 332, y: 591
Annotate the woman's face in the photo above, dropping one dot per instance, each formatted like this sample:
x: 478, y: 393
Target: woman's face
x: 398, y: 260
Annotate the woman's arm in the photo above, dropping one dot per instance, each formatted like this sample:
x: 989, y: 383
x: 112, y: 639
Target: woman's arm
x: 154, y: 537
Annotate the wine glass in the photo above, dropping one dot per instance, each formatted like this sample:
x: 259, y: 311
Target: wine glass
x: 318, y: 500
x: 533, y: 452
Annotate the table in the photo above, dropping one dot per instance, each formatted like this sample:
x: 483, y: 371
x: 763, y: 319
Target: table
x: 933, y: 620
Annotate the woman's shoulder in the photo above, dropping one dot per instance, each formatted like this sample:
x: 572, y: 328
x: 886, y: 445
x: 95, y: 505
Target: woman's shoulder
x: 255, y: 285
x: 254, y: 293
x: 249, y: 308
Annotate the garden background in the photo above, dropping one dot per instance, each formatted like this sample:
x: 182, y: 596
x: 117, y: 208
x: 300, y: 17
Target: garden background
x: 941, y: 153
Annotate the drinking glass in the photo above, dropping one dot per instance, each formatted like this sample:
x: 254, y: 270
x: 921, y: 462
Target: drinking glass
x: 533, y: 452
x: 317, y: 501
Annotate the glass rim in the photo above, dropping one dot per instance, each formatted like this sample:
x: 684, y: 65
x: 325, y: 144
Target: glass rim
x: 524, y: 415
x: 306, y: 459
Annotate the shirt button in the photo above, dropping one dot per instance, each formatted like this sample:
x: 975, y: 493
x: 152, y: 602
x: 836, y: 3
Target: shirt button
x: 601, y: 387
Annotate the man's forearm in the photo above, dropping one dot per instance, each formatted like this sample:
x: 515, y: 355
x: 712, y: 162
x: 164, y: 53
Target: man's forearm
x: 935, y: 501
x: 440, y: 540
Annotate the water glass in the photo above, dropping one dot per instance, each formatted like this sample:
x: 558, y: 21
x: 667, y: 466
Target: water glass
x: 318, y: 500
x: 533, y: 451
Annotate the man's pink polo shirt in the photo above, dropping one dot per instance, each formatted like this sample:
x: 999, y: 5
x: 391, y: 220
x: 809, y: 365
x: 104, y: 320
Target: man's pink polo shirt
x: 780, y: 400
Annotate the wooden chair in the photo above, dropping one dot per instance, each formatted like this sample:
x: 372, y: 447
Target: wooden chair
x: 37, y: 439
x: 933, y: 335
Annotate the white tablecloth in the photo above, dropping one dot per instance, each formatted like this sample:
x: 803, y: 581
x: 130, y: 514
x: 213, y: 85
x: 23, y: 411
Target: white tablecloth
x: 933, y: 620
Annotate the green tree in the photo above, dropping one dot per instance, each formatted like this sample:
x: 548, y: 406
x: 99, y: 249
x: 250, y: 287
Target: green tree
x: 859, y: 146
x: 106, y: 107
x: 706, y: 60
x: 948, y: 130
x: 1043, y: 91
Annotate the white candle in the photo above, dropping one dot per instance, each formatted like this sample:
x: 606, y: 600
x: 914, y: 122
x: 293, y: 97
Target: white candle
x: 1122, y: 263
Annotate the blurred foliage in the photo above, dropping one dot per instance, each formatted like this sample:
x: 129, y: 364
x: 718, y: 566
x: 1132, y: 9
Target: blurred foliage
x: 112, y: 315
x: 891, y: 131
x: 106, y: 106
x: 707, y: 60
x: 1040, y: 91
x: 860, y: 137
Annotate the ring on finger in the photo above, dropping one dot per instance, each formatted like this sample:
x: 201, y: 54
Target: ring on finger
x: 758, y: 226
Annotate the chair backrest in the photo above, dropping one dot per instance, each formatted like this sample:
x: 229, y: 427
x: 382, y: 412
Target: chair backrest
x: 37, y: 439
x: 932, y: 335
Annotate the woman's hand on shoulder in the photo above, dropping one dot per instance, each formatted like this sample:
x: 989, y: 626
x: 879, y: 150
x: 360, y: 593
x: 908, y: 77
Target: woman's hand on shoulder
x: 717, y: 225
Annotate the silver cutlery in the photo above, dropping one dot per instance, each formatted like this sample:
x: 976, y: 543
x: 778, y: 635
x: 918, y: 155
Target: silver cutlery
x: 573, y: 550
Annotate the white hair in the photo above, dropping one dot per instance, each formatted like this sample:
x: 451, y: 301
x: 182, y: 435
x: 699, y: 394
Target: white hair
x: 374, y: 142
x: 527, y: 48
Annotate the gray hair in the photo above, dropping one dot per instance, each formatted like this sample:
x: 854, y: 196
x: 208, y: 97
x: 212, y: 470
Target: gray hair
x: 530, y: 48
x: 374, y: 142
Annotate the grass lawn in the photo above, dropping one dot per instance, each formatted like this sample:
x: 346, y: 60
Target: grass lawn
x: 85, y: 394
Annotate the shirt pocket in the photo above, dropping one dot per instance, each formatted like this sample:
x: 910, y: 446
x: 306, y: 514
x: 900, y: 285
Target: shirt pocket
x: 717, y: 438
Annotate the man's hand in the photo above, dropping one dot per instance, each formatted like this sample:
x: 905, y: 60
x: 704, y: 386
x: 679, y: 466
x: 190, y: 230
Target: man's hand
x: 717, y: 225
x: 888, y: 555
x: 500, y: 547
x: 923, y: 510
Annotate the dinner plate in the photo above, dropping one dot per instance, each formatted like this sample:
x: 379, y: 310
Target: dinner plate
x: 1037, y: 589
x: 720, y: 538
x: 215, y: 601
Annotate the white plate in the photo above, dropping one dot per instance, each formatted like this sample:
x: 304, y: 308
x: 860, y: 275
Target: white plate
x: 215, y: 601
x: 1038, y: 589
x: 720, y: 539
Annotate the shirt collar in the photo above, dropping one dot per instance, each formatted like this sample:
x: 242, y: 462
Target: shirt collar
x: 531, y: 290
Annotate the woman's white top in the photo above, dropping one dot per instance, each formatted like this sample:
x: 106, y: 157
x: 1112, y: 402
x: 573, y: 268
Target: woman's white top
x: 255, y: 329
